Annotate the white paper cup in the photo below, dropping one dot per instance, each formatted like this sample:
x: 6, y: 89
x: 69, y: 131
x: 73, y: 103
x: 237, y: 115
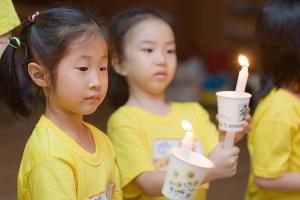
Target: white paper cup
x: 231, y: 110
x: 184, y: 174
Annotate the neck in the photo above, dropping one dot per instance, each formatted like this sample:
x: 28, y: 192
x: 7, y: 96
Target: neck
x: 154, y: 103
x: 292, y: 91
x: 70, y: 123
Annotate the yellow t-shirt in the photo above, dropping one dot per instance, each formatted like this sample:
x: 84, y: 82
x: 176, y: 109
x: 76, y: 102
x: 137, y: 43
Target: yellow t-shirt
x: 54, y: 166
x: 142, y: 141
x: 274, y: 143
x: 8, y: 17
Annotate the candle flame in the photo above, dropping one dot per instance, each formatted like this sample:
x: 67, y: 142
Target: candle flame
x: 243, y: 61
x: 186, y: 125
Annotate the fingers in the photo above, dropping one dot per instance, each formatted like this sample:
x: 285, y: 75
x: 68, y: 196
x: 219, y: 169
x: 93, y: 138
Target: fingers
x: 222, y: 135
x: 247, y: 127
x: 247, y: 111
x: 235, y: 151
x: 248, y: 118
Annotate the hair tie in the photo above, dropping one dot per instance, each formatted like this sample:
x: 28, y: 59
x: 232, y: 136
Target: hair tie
x: 32, y: 17
x: 14, y: 42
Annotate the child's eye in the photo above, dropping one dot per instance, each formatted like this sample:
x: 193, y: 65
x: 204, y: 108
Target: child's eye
x: 82, y: 68
x: 103, y: 68
x: 148, y: 50
x: 171, y: 51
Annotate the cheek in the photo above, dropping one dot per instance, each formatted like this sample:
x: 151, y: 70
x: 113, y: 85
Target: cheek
x: 104, y: 82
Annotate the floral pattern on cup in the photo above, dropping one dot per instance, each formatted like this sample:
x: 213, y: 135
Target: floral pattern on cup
x: 185, y: 187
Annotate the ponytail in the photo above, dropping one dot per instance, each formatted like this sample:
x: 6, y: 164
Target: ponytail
x: 10, y: 89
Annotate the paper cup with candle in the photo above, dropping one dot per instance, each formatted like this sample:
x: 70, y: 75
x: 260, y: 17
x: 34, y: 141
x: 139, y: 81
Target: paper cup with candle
x: 231, y: 110
x: 232, y: 105
x: 184, y: 174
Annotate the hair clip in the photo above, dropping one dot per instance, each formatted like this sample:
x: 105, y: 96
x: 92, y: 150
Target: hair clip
x: 14, y: 42
x: 32, y: 17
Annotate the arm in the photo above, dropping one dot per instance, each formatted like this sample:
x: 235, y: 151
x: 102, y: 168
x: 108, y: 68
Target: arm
x: 289, y: 182
x: 131, y: 150
x: 153, y: 179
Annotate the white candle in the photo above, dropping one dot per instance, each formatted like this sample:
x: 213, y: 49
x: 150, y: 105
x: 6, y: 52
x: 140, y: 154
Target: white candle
x: 188, y: 139
x: 239, y: 89
x: 243, y: 75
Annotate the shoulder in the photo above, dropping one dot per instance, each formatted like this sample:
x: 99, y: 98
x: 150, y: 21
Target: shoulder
x: 278, y: 105
x: 124, y: 116
x: 44, y: 142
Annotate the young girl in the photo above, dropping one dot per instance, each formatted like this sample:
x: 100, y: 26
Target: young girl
x: 274, y: 144
x: 66, y: 55
x: 146, y: 127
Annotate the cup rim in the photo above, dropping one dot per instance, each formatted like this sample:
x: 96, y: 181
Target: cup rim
x: 206, y: 164
x: 232, y: 95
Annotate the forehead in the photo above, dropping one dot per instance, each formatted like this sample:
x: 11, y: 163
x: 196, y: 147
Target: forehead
x: 151, y: 29
x: 92, y: 45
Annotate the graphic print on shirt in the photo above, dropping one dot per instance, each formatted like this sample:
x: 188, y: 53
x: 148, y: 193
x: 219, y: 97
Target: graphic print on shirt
x: 106, y: 195
x: 161, y: 151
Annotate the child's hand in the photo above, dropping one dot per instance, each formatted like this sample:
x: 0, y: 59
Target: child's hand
x: 225, y: 161
x: 246, y: 128
x: 247, y: 123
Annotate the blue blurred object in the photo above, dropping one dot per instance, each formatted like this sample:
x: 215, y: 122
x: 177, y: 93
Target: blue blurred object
x: 216, y: 82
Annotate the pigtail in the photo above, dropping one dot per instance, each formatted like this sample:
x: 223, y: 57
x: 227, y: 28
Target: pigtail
x: 10, y: 89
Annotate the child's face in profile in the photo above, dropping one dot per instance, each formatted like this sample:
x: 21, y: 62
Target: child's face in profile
x: 82, y: 77
x: 150, y: 56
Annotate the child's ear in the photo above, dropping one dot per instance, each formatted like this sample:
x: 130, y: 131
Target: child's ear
x: 118, y: 68
x: 38, y: 74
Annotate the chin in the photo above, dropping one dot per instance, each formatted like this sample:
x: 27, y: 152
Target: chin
x: 89, y: 111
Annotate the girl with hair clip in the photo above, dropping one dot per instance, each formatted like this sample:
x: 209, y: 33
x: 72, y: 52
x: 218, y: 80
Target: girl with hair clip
x: 66, y: 55
x: 274, y: 143
x: 146, y: 126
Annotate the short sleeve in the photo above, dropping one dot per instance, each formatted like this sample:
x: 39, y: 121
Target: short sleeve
x: 271, y: 149
x: 131, y: 153
x: 52, y: 179
x: 8, y: 17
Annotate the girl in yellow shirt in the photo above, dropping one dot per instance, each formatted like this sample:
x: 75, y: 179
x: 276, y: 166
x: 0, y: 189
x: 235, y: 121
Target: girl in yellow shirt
x: 66, y: 56
x: 274, y: 143
x: 147, y: 126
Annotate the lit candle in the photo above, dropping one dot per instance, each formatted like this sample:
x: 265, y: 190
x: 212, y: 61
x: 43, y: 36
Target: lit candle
x: 239, y: 89
x: 243, y: 75
x: 188, y: 139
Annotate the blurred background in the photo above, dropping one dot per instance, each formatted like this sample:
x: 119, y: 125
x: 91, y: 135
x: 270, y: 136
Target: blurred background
x: 210, y: 36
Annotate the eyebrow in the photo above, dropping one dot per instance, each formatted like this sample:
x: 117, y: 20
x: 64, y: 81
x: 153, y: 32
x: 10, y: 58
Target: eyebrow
x: 152, y: 42
x: 88, y: 57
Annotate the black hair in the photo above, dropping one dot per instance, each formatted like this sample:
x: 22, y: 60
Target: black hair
x: 121, y: 23
x: 45, y: 41
x: 278, y: 40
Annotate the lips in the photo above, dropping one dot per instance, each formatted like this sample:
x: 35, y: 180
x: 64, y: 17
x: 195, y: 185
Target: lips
x: 93, y: 97
x: 160, y: 74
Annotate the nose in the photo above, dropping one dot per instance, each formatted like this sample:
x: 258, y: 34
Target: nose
x: 161, y: 58
x: 95, y: 81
